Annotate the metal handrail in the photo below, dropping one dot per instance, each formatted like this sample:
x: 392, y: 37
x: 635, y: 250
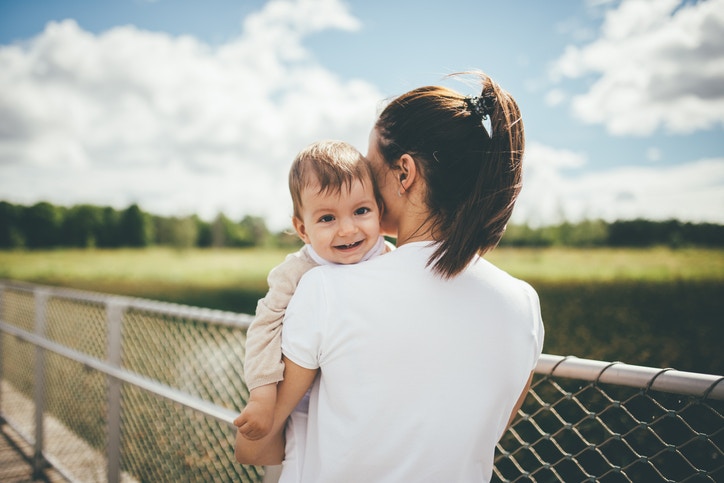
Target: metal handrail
x: 206, y: 408
x: 619, y: 373
x: 202, y: 314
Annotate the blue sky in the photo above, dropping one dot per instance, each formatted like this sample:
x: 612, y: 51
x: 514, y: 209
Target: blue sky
x: 193, y: 106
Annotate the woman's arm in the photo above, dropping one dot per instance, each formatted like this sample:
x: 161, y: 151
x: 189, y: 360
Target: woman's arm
x: 521, y: 398
x: 270, y: 449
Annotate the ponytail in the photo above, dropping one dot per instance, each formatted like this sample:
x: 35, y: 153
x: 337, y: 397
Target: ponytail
x: 473, y: 176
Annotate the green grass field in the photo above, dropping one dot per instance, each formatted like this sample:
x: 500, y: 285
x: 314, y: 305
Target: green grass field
x: 656, y: 307
x: 248, y: 267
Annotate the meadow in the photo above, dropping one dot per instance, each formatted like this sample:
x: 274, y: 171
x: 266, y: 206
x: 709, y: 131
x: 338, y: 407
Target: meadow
x: 659, y: 307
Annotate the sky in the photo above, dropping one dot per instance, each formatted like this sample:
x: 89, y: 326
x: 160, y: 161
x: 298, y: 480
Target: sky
x: 199, y: 106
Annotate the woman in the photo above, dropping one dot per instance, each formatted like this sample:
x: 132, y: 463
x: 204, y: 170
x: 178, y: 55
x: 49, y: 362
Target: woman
x: 423, y: 354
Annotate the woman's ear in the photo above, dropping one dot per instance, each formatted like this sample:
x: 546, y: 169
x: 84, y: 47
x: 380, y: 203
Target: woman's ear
x: 408, y: 171
x: 300, y: 229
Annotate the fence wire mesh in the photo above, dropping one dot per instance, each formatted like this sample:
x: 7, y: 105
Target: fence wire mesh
x: 568, y: 429
x: 579, y: 430
x: 160, y: 440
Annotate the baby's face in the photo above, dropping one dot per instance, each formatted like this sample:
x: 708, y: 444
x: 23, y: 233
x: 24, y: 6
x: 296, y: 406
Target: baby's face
x: 341, y: 227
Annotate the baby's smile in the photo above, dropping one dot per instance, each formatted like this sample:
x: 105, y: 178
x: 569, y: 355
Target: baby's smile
x: 349, y: 245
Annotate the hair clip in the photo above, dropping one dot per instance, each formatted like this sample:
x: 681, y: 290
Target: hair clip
x: 481, y: 105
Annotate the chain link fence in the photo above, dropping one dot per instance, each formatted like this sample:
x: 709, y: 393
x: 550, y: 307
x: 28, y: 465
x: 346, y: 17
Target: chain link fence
x: 117, y: 389
x: 611, y: 422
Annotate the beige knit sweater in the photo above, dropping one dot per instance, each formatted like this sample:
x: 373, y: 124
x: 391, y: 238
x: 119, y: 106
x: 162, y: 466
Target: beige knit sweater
x: 263, y: 363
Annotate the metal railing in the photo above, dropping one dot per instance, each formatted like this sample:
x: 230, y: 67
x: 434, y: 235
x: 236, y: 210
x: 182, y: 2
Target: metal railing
x: 122, y: 389
x: 111, y: 388
x: 589, y: 420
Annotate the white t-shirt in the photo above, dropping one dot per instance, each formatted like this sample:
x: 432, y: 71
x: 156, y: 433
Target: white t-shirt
x: 418, y: 374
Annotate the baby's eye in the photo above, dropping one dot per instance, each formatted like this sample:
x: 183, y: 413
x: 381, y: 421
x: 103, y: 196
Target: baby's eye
x: 326, y: 219
x: 362, y: 211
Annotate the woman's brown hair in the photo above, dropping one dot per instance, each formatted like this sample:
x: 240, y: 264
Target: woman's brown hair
x: 472, y: 177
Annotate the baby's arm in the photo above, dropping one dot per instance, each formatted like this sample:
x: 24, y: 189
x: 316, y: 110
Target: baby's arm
x: 257, y: 417
x: 269, y: 450
x: 263, y: 366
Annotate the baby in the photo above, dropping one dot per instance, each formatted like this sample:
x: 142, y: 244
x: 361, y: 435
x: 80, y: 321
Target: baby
x: 337, y: 212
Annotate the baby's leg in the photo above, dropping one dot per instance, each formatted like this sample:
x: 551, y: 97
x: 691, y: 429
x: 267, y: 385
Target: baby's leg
x: 258, y: 416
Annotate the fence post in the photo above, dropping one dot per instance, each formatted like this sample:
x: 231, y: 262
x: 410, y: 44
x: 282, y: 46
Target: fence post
x: 114, y: 318
x: 41, y: 302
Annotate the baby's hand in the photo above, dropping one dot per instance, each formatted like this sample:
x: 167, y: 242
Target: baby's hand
x: 255, y: 421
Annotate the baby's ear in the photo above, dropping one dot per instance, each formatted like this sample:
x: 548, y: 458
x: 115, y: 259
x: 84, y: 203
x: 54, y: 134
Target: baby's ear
x: 300, y: 229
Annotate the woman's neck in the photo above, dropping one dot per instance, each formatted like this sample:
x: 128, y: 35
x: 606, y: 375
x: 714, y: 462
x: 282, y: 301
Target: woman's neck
x: 415, y: 223
x: 419, y: 231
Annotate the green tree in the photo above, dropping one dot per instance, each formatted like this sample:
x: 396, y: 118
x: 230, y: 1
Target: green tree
x: 703, y: 234
x: 41, y: 225
x: 186, y: 232
x: 82, y: 225
x: 587, y: 233
x: 524, y: 236
x: 11, y: 233
x: 203, y: 229
x: 176, y: 232
x: 253, y: 231
x: 108, y: 235
x: 220, y: 228
x: 287, y: 239
x: 135, y: 228
x: 226, y: 233
x: 590, y: 233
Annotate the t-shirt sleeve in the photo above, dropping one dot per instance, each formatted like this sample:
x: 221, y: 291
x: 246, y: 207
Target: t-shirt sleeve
x: 537, y: 328
x: 303, y: 321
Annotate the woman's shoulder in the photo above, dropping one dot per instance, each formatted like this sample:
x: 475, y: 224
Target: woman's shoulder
x: 490, y: 273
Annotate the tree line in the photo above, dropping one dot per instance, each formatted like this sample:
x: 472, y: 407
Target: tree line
x: 638, y: 233
x: 44, y: 225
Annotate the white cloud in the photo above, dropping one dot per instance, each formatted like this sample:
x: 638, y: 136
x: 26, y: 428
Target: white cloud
x: 653, y: 154
x: 170, y: 122
x: 657, y: 63
x: 556, y: 188
x: 555, y: 97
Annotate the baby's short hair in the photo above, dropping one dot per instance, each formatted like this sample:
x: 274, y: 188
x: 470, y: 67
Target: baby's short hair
x: 332, y: 165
